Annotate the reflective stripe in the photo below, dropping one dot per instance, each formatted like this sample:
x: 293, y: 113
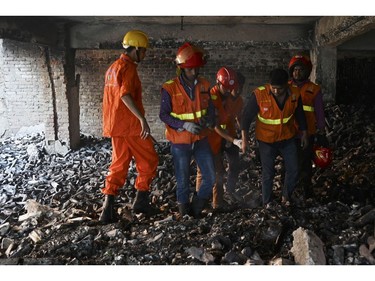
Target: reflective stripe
x: 273, y: 121
x: 224, y: 126
x: 189, y: 116
x: 169, y: 82
x: 261, y: 88
x: 308, y: 108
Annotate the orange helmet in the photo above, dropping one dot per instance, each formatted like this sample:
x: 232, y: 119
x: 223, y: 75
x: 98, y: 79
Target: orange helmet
x: 322, y: 156
x: 302, y: 60
x: 227, y: 77
x: 190, y: 56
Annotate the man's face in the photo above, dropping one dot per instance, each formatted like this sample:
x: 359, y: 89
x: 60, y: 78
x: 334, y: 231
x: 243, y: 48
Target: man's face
x: 279, y: 90
x: 191, y: 74
x: 299, y: 73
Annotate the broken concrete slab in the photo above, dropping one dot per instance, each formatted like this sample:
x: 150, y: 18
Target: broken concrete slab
x: 307, y: 248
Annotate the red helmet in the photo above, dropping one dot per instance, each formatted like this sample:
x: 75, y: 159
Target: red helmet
x: 300, y: 59
x: 227, y: 77
x: 190, y: 56
x: 322, y: 156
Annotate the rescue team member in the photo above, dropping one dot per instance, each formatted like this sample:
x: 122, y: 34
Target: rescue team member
x: 276, y: 106
x: 223, y: 140
x: 187, y: 111
x: 125, y: 123
x: 312, y: 99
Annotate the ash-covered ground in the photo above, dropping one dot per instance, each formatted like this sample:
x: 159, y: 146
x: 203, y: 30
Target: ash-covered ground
x: 50, y: 204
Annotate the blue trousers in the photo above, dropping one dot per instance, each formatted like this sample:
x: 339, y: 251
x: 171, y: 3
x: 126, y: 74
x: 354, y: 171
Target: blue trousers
x: 182, y: 157
x: 268, y: 153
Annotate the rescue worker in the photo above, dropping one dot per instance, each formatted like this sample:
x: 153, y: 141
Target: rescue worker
x: 276, y: 106
x: 228, y: 104
x: 312, y: 99
x: 124, y: 121
x: 188, y: 114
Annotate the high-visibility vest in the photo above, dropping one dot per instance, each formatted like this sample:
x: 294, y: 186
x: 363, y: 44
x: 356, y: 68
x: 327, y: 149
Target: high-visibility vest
x: 185, y: 109
x: 308, y: 92
x: 273, y: 124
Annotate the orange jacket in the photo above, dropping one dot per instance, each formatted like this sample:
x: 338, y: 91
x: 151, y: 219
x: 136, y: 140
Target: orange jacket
x: 185, y: 109
x: 272, y: 124
x: 121, y: 78
x: 308, y: 93
x: 227, y: 110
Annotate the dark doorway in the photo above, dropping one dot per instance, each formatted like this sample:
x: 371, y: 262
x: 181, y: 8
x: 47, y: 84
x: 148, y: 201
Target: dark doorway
x: 355, y: 80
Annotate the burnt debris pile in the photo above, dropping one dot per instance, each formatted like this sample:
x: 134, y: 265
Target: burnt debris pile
x: 50, y: 204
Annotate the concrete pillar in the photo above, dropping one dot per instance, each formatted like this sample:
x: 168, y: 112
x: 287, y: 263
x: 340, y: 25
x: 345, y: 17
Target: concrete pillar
x: 324, y: 60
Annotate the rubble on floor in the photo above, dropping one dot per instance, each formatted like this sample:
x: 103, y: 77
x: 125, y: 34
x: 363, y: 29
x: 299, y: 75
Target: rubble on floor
x: 50, y: 204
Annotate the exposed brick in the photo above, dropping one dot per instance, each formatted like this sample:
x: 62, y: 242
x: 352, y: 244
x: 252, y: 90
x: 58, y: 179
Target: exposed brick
x: 26, y: 84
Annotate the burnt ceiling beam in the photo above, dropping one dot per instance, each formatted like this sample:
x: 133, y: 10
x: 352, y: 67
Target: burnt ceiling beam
x: 38, y: 30
x: 334, y: 31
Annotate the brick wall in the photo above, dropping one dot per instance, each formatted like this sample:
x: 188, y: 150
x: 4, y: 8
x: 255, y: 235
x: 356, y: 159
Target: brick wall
x: 254, y: 60
x: 32, y: 84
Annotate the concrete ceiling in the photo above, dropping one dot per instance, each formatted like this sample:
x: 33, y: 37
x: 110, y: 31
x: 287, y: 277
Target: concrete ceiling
x: 187, y: 20
x: 99, y: 31
x: 95, y: 32
x: 105, y: 31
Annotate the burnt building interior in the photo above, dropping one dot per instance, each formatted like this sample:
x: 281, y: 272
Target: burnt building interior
x: 54, y: 159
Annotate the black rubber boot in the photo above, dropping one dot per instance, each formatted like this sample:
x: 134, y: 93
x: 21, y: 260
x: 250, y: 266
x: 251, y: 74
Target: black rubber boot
x: 108, y: 212
x: 184, y: 209
x: 197, y: 206
x: 142, y: 204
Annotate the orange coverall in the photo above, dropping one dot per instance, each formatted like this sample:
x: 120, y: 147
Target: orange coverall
x: 124, y: 128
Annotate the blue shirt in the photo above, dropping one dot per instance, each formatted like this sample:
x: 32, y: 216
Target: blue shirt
x: 175, y: 123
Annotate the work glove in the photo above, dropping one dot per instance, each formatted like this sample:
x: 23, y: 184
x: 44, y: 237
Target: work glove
x: 192, y: 127
x: 238, y: 142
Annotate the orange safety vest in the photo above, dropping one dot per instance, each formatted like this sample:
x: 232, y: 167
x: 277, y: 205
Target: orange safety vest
x: 227, y: 112
x: 185, y: 109
x: 121, y: 78
x: 272, y: 124
x: 308, y: 92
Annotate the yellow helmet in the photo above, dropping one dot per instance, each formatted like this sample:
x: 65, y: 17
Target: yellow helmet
x: 135, y: 38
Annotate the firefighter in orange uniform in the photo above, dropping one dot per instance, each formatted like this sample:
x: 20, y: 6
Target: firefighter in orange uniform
x: 276, y: 106
x: 188, y: 114
x: 223, y: 140
x: 312, y: 99
x: 124, y: 121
